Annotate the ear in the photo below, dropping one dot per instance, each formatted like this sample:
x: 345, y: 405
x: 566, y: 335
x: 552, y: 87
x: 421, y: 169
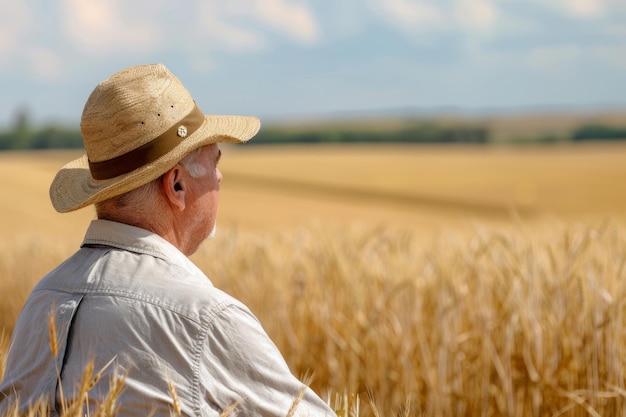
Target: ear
x: 175, y: 187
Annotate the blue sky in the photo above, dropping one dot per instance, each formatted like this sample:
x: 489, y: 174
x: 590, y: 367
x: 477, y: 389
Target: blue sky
x: 293, y: 59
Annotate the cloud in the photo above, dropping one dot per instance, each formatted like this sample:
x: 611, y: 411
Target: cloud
x: 475, y: 14
x: 218, y: 25
x: 105, y: 27
x: 244, y: 24
x: 15, y: 22
x: 17, y: 28
x: 420, y: 16
x: 584, y: 8
x: 410, y: 15
x: 552, y: 60
x: 44, y: 63
x: 292, y: 19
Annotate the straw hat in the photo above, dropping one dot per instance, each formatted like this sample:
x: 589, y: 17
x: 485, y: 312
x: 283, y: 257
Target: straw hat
x: 136, y: 125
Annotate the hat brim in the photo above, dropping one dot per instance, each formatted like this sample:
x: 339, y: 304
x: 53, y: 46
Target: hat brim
x: 73, y: 186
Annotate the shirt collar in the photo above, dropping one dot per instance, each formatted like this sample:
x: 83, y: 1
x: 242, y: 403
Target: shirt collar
x: 135, y: 239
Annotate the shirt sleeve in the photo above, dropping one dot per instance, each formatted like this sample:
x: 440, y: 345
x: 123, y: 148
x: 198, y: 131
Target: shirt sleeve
x: 240, y: 365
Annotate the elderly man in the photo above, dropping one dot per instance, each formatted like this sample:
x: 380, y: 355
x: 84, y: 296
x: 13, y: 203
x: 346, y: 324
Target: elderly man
x: 130, y: 299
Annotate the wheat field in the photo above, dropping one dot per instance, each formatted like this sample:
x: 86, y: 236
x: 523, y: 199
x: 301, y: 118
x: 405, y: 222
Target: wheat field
x: 439, y: 281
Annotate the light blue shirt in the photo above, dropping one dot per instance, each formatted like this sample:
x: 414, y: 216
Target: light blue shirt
x: 130, y: 296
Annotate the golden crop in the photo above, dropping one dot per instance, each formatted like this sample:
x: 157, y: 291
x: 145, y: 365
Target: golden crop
x: 439, y: 281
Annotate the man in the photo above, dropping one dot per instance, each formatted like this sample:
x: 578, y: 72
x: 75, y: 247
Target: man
x: 130, y: 299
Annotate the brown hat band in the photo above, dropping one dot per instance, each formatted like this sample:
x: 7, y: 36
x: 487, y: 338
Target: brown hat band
x: 148, y: 152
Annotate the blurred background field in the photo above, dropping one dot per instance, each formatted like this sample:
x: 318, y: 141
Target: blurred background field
x: 423, y: 188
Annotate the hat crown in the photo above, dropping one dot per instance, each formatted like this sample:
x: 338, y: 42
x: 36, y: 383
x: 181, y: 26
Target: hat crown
x: 130, y: 109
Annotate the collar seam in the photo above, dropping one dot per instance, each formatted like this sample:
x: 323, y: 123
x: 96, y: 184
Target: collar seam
x: 131, y: 248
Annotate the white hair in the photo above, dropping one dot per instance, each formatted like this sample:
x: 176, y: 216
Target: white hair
x: 193, y: 167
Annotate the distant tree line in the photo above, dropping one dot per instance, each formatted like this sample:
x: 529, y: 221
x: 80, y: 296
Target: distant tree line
x: 22, y: 135
x: 46, y: 138
x: 426, y: 133
x: 599, y: 132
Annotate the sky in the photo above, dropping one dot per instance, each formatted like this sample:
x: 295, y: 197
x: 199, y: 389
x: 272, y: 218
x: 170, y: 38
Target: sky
x: 286, y: 60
